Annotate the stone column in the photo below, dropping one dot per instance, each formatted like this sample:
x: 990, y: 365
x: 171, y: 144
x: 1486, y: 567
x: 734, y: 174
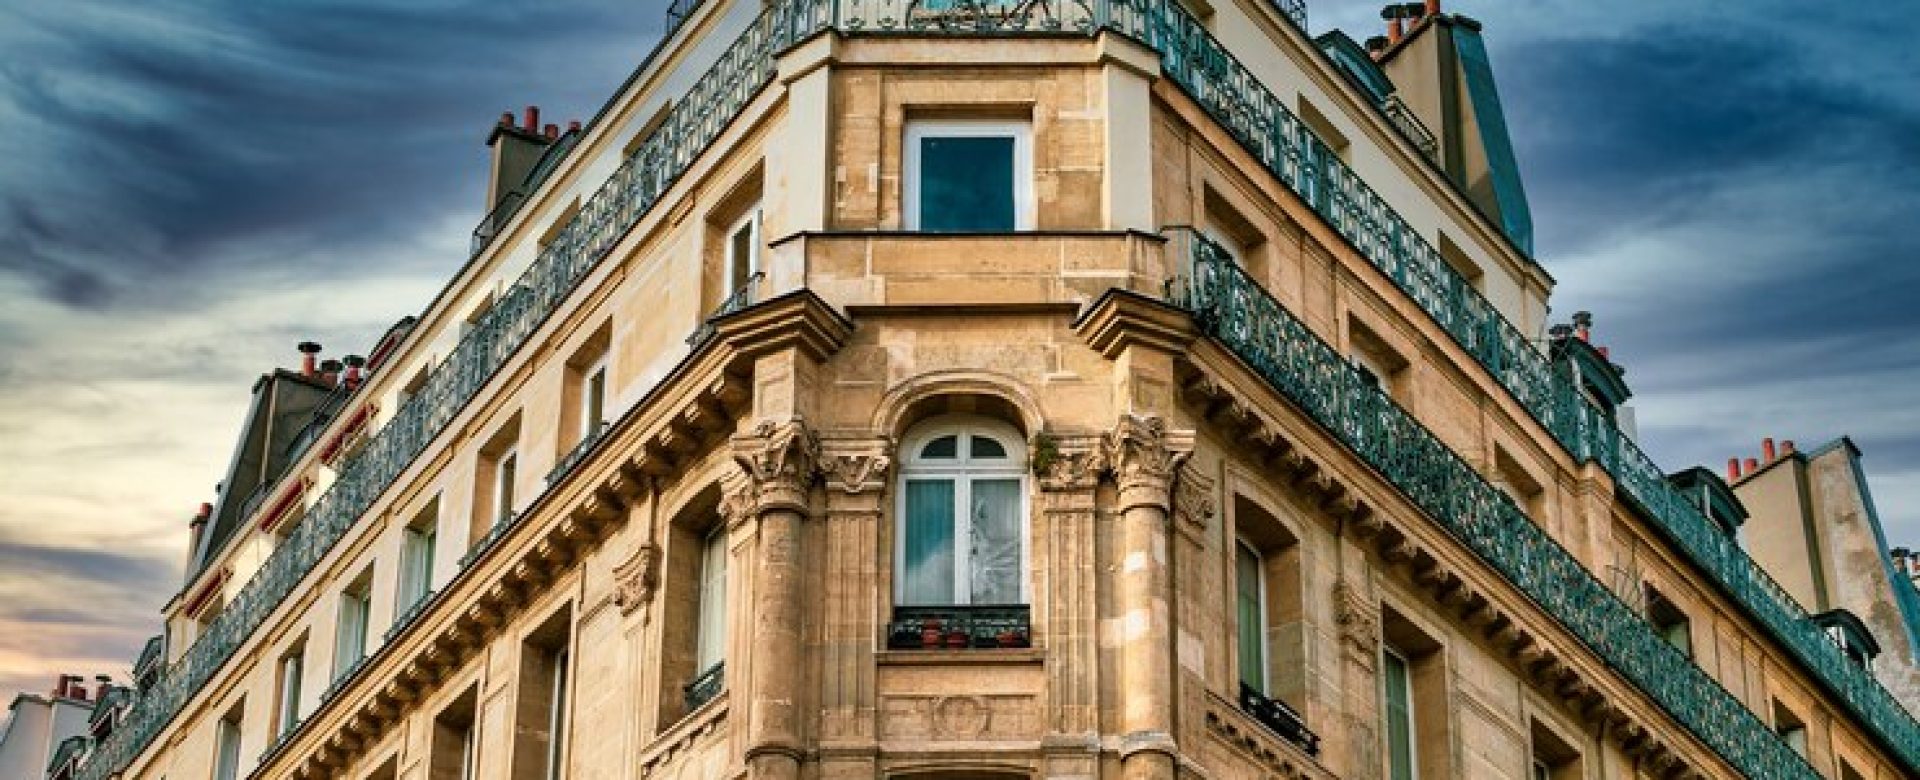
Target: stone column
x: 1143, y: 456
x: 1069, y: 469
x: 856, y: 473
x: 780, y: 459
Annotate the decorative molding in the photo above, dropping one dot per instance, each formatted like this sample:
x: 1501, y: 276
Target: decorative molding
x: 1193, y: 500
x: 1142, y: 455
x: 855, y: 467
x: 1066, y: 463
x: 781, y: 459
x: 635, y: 580
x: 1358, y: 621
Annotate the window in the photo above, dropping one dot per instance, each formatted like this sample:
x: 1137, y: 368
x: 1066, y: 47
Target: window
x: 962, y: 507
x: 1413, y: 692
x: 693, y: 604
x: 540, y: 732
x: 505, y: 472
x: 1250, y: 610
x: 416, y: 556
x: 291, y: 667
x: 710, y: 641
x: 1369, y: 354
x: 1551, y: 758
x: 1790, y: 727
x: 1668, y: 621
x: 968, y: 176
x: 743, y: 250
x: 1323, y: 128
x: 454, y: 749
x: 227, y: 736
x: 593, y: 400
x: 350, y: 633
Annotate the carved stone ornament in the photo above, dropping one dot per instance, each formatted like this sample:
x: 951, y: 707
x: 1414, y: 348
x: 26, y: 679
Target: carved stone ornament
x: 635, y: 581
x: 1193, y: 499
x: 1357, y: 621
x: 1068, y: 463
x: 781, y: 459
x: 1143, y: 455
x: 858, y: 469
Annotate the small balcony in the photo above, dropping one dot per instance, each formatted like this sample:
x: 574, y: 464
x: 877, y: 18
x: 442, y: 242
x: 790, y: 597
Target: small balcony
x: 1279, y: 718
x: 1005, y: 626
x: 705, y: 686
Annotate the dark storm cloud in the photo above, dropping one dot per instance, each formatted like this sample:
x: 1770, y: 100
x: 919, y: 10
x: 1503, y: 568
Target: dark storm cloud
x: 169, y: 142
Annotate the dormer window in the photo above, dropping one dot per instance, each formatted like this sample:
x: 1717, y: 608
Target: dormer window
x: 1850, y: 635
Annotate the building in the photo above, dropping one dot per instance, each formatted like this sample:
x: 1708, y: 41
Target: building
x: 991, y: 390
x: 38, y: 727
x: 1812, y: 526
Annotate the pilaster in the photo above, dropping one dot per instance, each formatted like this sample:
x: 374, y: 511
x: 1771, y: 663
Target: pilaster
x: 856, y: 475
x: 1068, y: 469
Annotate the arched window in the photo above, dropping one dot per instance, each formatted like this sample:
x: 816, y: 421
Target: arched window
x: 962, y: 534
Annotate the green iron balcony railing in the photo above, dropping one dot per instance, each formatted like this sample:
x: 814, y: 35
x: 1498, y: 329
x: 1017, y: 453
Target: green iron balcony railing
x: 960, y: 627
x: 1229, y: 305
x: 704, y: 687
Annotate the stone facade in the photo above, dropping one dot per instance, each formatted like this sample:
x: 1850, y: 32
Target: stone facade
x: 1148, y: 457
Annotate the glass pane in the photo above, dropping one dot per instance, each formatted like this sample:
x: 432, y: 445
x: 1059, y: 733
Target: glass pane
x: 993, y: 525
x: 966, y: 183
x: 926, y: 566
x: 710, y: 642
x: 595, y: 402
x: 740, y: 253
x: 1246, y: 586
x: 942, y: 448
x: 984, y: 447
x: 1399, y: 717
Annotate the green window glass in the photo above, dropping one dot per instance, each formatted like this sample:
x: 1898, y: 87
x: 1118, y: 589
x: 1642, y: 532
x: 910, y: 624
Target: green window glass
x: 967, y: 183
x: 1398, y: 681
x: 927, y: 560
x: 1250, y: 617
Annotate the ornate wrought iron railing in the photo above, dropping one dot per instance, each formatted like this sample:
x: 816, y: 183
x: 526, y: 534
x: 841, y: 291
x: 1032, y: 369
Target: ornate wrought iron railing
x: 1279, y: 719
x: 960, y: 627
x: 574, y: 456
x: 735, y: 301
x: 705, y: 686
x: 1295, y: 10
x: 1229, y: 305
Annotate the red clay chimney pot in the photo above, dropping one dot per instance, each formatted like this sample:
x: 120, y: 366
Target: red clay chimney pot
x: 1395, y: 30
x: 1753, y: 465
x: 506, y: 119
x: 1786, y: 447
x: 552, y: 130
x: 573, y: 126
x: 1733, y: 469
x: 1433, y: 7
x: 1767, y: 449
x: 532, y: 123
x: 308, y: 351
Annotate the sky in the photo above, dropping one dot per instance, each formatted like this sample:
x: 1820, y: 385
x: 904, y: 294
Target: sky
x: 190, y: 188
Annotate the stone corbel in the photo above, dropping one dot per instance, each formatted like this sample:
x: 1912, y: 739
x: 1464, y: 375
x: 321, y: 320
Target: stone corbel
x: 1193, y: 505
x: 635, y: 581
x: 1143, y: 456
x: 781, y: 460
x: 1068, y: 463
x: 1358, y: 622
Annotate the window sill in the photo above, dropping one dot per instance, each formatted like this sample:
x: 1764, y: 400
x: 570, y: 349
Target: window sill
x: 961, y: 657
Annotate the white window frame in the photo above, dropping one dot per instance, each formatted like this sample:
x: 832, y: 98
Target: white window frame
x: 1413, y: 726
x: 360, y: 618
x: 508, y: 461
x: 1020, y: 130
x: 717, y: 537
x: 590, y: 422
x: 557, y: 722
x: 1260, y: 589
x: 292, y: 666
x: 226, y: 748
x: 416, y: 566
x: 962, y: 471
x: 750, y: 220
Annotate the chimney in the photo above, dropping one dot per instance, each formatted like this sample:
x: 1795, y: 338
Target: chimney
x: 1395, y: 31
x: 1433, y: 8
x: 516, y: 150
x: 573, y: 126
x: 1583, y: 325
x: 551, y: 131
x: 1733, y: 469
x: 330, y: 371
x: 101, y: 684
x: 1377, y: 46
x: 1786, y: 447
x: 354, y: 364
x: 1752, y: 466
x: 1767, y: 451
x: 309, y: 352
x: 196, y: 528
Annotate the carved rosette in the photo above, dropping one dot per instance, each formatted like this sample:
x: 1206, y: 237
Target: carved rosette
x: 857, y: 467
x: 1068, y: 463
x: 781, y: 460
x: 1193, y: 500
x: 1143, y: 455
x: 635, y: 581
x: 1358, y: 622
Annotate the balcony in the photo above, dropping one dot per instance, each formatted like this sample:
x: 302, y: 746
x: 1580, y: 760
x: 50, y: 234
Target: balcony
x: 705, y: 686
x: 1279, y: 719
x: 907, y: 268
x: 1006, y: 626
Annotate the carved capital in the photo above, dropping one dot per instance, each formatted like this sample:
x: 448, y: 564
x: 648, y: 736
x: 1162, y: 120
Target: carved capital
x: 1067, y: 463
x: 858, y: 466
x: 1358, y: 623
x: 1143, y: 455
x: 781, y: 460
x: 635, y: 580
x: 1193, y: 500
